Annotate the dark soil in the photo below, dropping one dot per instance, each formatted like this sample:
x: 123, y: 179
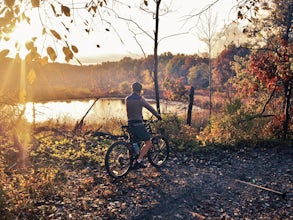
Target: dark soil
x: 205, y: 185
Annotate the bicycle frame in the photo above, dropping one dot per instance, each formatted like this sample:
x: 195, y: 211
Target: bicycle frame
x: 121, y: 154
x: 129, y: 137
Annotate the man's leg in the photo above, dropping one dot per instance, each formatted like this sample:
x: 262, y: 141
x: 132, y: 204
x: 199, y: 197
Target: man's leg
x: 144, y: 150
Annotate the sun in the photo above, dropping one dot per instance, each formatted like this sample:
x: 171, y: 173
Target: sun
x: 22, y: 33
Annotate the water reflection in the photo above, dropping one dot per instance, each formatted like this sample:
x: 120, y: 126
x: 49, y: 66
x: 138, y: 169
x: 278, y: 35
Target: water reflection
x: 104, y: 109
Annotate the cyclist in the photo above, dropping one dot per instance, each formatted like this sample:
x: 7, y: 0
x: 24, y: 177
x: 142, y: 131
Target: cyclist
x: 134, y: 105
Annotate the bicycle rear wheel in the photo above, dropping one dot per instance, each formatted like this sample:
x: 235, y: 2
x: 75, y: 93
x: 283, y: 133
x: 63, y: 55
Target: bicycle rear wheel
x: 159, y: 152
x: 118, y: 159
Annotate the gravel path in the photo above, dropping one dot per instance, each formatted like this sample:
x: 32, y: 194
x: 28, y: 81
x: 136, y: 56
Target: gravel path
x: 206, y: 185
x: 213, y: 186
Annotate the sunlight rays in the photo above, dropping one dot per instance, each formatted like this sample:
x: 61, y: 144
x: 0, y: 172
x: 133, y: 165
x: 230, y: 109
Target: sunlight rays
x: 22, y: 86
x: 5, y: 79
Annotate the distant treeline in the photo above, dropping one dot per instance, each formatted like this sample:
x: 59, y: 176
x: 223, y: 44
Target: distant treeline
x: 37, y: 82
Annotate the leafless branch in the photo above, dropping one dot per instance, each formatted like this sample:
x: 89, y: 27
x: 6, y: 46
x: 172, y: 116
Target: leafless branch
x: 142, y: 30
x: 172, y: 35
x: 188, y: 17
x: 137, y: 41
x: 133, y: 22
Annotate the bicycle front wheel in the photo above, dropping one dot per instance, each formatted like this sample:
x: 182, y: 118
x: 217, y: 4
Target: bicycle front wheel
x: 118, y: 159
x: 159, y: 152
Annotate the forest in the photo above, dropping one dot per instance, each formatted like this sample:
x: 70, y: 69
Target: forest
x: 55, y: 170
x: 65, y: 81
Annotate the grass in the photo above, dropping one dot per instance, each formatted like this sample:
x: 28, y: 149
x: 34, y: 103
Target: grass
x: 52, y: 153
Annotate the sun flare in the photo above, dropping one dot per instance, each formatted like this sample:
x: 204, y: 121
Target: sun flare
x: 21, y: 34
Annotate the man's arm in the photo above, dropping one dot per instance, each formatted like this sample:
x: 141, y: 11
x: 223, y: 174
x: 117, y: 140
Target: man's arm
x: 150, y: 108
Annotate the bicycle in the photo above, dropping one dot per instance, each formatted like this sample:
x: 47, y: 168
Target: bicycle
x: 121, y: 154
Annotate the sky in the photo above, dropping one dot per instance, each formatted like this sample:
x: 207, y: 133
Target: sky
x: 176, y: 33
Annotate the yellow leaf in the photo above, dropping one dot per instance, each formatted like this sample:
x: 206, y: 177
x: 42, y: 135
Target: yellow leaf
x: 35, y: 3
x: 52, y: 54
x: 55, y: 34
x: 4, y: 53
x: 29, y: 45
x: 9, y: 3
x: 95, y: 8
x: 54, y: 10
x: 74, y: 49
x: 240, y: 15
x: 31, y: 76
x: 65, y: 10
x: 67, y: 52
x: 8, y: 16
x: 67, y: 59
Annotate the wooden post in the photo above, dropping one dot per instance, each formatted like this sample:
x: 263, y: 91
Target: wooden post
x: 191, y: 97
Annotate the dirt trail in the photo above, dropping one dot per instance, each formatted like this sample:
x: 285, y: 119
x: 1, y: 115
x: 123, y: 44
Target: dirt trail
x: 206, y: 187
x: 202, y: 186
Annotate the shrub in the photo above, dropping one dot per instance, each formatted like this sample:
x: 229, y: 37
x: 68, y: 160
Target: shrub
x: 234, y: 125
x: 181, y: 136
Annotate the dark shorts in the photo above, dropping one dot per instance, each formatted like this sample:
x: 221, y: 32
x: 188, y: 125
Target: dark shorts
x: 140, y: 133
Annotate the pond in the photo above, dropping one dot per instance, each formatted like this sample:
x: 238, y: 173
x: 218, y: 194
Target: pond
x: 103, y: 109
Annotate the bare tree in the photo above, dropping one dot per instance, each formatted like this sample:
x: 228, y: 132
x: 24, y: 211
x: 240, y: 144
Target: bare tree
x: 154, y: 9
x: 158, y: 2
x: 207, y: 33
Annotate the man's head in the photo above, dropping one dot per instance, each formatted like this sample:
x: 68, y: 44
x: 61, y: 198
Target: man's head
x: 136, y: 87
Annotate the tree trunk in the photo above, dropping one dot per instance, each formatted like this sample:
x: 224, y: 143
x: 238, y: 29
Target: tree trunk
x: 210, y: 94
x: 156, y: 57
x: 288, y: 94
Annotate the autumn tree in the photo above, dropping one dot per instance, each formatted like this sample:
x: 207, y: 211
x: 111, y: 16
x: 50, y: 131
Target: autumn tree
x: 223, y: 68
x: 270, y: 31
x: 176, y: 67
x: 198, y: 76
x: 175, y: 89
